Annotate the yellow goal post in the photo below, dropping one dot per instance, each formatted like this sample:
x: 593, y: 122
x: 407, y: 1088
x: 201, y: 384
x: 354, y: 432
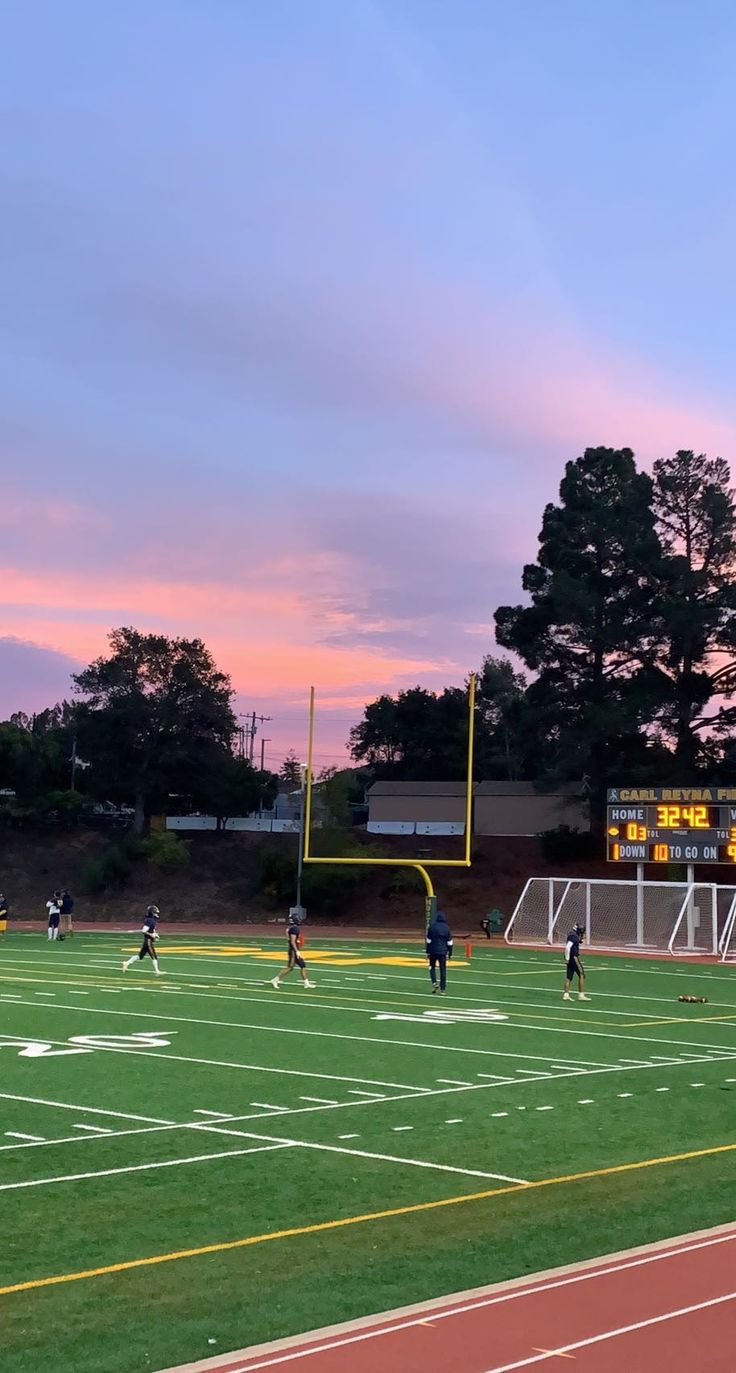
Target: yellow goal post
x: 419, y: 865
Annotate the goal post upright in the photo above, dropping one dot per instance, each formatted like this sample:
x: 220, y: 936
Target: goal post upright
x: 419, y: 865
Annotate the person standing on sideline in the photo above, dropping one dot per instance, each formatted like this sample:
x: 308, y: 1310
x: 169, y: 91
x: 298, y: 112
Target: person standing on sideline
x: 4, y: 913
x: 148, y: 947
x: 54, y: 909
x: 439, y: 949
x: 574, y: 966
x: 295, y: 959
x: 66, y: 907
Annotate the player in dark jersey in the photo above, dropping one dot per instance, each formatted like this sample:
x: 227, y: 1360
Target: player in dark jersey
x: 574, y: 967
x: 439, y: 949
x: 294, y: 956
x: 148, y: 947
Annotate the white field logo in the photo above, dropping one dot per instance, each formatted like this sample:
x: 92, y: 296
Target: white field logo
x: 480, y: 1017
x: 86, y: 1044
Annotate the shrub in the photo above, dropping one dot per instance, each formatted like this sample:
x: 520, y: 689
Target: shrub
x: 165, y: 851
x: 108, y: 872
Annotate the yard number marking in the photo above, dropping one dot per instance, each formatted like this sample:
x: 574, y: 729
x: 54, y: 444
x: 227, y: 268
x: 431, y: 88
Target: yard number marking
x: 86, y: 1044
x: 447, y: 1017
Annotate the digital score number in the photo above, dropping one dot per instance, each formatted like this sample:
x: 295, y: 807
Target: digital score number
x: 686, y: 818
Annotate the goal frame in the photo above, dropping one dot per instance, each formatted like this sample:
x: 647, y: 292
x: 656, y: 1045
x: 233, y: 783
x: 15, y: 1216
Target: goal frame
x: 419, y: 864
x: 716, y: 943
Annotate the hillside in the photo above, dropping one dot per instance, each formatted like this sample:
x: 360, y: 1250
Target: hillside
x: 221, y: 881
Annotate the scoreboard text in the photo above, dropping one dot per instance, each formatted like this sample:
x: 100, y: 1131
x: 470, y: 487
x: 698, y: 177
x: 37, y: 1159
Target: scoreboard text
x: 671, y: 825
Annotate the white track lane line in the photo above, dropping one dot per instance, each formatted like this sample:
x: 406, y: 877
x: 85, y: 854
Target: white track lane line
x: 429, y: 1311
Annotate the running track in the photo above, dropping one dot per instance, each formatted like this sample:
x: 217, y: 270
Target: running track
x: 670, y: 1306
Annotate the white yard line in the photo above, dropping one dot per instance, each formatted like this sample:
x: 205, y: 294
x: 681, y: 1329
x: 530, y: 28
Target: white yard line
x: 138, y: 1167
x: 360, y: 1153
x: 16, y: 1134
x: 244, y: 984
x: 325, y: 1105
x: 404, y: 1043
x: 95, y: 1129
x: 93, y: 1110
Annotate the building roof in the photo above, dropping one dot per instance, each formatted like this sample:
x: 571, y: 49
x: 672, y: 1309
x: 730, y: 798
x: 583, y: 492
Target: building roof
x: 526, y: 789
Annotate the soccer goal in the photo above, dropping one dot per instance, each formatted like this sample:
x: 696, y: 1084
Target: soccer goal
x: 673, y: 917
x: 727, y: 942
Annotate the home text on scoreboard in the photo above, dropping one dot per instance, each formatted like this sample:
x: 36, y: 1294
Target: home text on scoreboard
x: 671, y: 824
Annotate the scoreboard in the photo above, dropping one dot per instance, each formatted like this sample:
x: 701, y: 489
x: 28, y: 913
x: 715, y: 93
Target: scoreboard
x: 671, y: 824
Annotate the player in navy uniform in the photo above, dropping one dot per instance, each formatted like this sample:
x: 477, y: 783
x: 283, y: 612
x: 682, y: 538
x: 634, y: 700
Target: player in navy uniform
x: 439, y: 949
x: 148, y: 947
x: 574, y: 966
x: 295, y: 959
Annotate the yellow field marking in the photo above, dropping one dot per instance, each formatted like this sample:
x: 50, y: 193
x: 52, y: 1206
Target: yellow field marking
x: 320, y: 1227
x: 331, y: 958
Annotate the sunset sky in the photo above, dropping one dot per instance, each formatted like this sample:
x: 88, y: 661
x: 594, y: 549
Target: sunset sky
x: 305, y: 303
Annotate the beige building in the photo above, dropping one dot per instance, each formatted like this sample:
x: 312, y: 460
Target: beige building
x: 501, y: 808
x: 426, y: 802
x: 517, y: 808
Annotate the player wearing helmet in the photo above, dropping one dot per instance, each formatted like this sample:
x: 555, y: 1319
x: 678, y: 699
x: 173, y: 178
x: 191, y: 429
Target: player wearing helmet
x: 148, y: 947
x: 574, y: 966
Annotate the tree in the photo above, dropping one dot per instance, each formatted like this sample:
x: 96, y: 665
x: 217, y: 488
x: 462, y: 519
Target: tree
x: 590, y: 631
x: 500, y: 697
x: 416, y: 736
x: 421, y: 735
x: 156, y: 717
x: 35, y: 752
x: 337, y: 788
x: 236, y: 788
x: 696, y: 519
x: 291, y: 771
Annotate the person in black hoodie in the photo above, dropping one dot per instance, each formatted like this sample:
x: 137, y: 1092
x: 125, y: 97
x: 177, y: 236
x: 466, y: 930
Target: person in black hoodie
x: 66, y: 907
x: 439, y: 949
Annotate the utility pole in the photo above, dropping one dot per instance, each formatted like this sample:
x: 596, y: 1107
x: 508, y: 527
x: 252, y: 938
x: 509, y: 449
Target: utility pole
x: 74, y: 762
x: 249, y: 731
x: 263, y: 768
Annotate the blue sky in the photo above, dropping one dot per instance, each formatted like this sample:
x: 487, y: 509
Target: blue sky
x: 305, y: 305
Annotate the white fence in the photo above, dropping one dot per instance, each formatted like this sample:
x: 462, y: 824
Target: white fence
x: 425, y: 827
x: 677, y: 917
x: 250, y: 824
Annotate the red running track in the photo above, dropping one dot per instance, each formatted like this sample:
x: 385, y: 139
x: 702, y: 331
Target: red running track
x: 668, y: 1307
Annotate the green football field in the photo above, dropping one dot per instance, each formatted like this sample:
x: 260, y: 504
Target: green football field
x: 196, y: 1163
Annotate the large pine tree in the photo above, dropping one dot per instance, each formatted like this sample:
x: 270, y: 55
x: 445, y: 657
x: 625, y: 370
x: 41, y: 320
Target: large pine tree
x: 590, y: 628
x: 696, y: 520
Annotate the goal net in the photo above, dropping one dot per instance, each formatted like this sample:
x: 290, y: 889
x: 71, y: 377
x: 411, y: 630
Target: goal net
x: 674, y: 917
x: 727, y: 941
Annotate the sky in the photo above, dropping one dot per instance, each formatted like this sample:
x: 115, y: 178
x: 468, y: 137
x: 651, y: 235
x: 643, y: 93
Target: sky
x: 305, y: 304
